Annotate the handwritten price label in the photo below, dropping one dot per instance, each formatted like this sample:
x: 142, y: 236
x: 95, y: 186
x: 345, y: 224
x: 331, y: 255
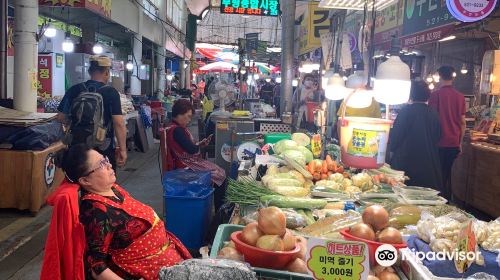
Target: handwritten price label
x: 338, y: 260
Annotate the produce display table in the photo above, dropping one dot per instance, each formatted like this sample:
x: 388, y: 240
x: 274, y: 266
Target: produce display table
x: 27, y: 177
x: 476, y: 177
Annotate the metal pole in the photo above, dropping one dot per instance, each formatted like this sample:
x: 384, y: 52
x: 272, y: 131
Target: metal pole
x: 4, y: 9
x: 287, y: 43
x: 26, y: 56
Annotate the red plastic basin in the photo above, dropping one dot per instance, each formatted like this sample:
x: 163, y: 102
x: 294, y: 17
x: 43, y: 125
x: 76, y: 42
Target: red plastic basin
x: 263, y: 258
x: 372, y: 245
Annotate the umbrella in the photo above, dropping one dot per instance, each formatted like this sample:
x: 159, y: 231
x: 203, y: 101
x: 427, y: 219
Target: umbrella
x: 219, y: 66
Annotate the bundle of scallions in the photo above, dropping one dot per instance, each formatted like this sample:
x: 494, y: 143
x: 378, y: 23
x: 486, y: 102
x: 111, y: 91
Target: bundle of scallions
x: 246, y: 191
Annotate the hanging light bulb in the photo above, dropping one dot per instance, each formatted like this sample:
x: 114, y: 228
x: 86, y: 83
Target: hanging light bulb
x: 129, y: 66
x: 464, y: 69
x: 454, y: 74
x: 50, y: 31
x: 295, y: 82
x: 170, y: 77
x: 335, y: 88
x: 435, y: 77
x: 278, y: 80
x: 431, y: 86
x: 361, y: 98
x: 97, y: 49
x: 326, y: 76
x: 429, y: 79
x: 68, y: 45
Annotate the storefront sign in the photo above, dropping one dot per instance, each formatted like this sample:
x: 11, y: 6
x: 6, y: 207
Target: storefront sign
x: 420, y: 15
x: 428, y: 36
x: 44, y: 85
x: 315, y: 23
x: 49, y: 170
x: 471, y: 10
x: 59, y: 60
x: 251, y: 7
x: 102, y: 7
x: 389, y: 22
x: 10, y: 38
x: 329, y: 259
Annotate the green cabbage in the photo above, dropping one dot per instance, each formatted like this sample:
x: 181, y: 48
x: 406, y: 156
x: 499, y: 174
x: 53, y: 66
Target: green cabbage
x: 306, y: 152
x: 283, y: 145
x: 296, y: 155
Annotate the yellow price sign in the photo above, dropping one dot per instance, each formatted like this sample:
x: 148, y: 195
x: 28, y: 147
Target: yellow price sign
x: 316, y: 145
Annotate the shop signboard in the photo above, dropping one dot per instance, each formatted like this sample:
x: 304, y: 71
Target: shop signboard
x: 420, y: 15
x: 59, y: 60
x: 251, y: 7
x: 44, y: 85
x: 389, y: 22
x: 337, y: 259
x: 471, y: 10
x: 102, y: 7
x: 10, y: 37
x: 315, y: 23
x: 427, y: 36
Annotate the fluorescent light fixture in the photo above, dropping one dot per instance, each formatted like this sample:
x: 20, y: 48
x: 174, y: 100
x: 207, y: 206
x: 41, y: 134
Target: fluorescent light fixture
x: 50, y: 32
x: 355, y: 4
x: 129, y: 66
x: 68, y: 45
x: 392, y: 82
x: 449, y: 38
x: 464, y: 69
x: 278, y: 80
x: 97, y: 49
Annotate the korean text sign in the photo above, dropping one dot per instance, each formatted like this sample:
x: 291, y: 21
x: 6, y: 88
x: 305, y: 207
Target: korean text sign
x: 420, y: 15
x: 44, y: 84
x: 337, y: 259
x: 251, y: 7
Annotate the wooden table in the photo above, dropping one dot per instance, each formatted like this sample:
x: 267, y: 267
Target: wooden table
x: 476, y: 177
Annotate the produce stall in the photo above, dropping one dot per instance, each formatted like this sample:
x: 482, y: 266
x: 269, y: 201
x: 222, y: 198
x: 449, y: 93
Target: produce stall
x: 302, y: 214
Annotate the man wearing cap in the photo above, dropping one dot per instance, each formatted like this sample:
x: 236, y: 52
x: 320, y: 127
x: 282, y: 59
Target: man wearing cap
x: 99, y: 71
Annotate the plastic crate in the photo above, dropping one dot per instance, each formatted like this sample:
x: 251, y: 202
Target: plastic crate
x: 188, y: 218
x: 224, y: 234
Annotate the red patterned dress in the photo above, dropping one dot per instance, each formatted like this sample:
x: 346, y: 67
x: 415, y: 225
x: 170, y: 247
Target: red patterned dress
x: 126, y: 236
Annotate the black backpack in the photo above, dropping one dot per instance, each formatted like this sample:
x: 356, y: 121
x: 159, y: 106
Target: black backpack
x: 87, y: 120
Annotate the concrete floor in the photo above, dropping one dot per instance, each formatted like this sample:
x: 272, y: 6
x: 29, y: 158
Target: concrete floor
x: 22, y: 237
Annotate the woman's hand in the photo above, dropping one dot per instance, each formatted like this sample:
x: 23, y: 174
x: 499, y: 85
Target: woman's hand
x: 206, y: 141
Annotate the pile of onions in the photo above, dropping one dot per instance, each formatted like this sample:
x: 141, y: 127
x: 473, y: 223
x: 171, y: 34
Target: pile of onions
x: 251, y: 233
x: 272, y: 221
x: 271, y: 243
x: 376, y: 218
x: 230, y: 254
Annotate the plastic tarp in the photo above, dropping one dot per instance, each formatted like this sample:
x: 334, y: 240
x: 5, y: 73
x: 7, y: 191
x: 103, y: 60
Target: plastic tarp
x: 186, y: 183
x: 38, y: 137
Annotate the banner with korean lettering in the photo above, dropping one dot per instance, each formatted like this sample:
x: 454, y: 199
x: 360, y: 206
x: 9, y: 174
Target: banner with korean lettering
x: 44, y: 84
x: 337, y: 259
x: 315, y: 23
x: 251, y: 7
x: 420, y: 15
x: 389, y: 22
x: 102, y: 7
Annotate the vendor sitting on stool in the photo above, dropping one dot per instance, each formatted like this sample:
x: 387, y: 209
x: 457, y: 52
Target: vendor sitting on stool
x: 123, y: 238
x: 184, y: 152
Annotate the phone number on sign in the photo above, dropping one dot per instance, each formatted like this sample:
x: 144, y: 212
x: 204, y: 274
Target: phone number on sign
x: 475, y: 5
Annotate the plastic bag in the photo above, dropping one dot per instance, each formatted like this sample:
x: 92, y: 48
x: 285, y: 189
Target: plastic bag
x: 293, y: 219
x: 481, y: 276
x: 187, y: 183
x: 492, y: 242
x: 213, y: 269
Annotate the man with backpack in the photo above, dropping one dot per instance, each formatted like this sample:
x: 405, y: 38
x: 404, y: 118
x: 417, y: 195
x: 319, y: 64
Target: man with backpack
x: 92, y: 111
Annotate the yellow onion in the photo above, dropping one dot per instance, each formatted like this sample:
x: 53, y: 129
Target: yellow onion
x: 376, y: 216
x: 251, y: 233
x: 390, y: 235
x: 298, y: 265
x: 271, y: 243
x: 272, y: 221
x: 230, y: 254
x: 289, y: 241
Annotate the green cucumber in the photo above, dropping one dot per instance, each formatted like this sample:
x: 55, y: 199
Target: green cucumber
x: 292, y: 202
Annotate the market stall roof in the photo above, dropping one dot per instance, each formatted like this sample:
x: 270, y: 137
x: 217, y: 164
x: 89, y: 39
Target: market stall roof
x: 219, y: 66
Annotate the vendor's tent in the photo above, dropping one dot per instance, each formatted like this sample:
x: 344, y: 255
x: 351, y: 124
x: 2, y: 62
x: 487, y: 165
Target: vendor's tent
x: 219, y: 66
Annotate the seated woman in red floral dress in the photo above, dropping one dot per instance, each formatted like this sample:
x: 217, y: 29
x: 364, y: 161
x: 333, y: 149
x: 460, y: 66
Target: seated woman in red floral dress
x: 125, y: 239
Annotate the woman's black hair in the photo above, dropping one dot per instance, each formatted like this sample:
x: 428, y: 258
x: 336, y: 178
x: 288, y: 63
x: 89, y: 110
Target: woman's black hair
x: 419, y: 91
x: 181, y: 107
x: 73, y: 161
